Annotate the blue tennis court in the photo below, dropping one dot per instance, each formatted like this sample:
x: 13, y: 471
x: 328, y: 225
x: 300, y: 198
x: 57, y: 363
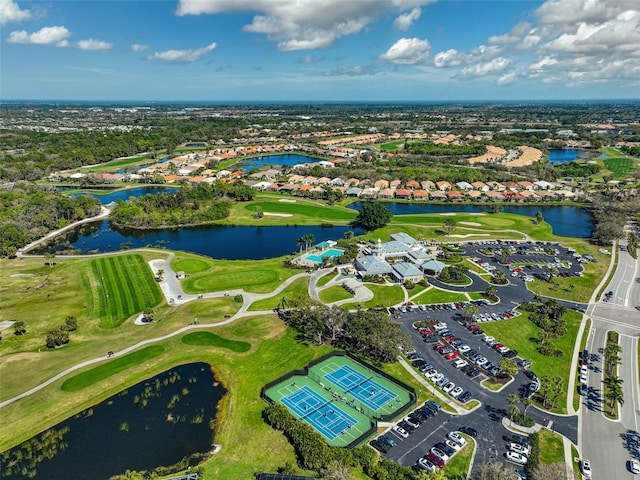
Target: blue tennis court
x: 320, y: 413
x: 368, y: 391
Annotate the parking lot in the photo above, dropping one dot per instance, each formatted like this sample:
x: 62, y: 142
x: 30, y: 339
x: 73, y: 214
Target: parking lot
x: 487, y: 419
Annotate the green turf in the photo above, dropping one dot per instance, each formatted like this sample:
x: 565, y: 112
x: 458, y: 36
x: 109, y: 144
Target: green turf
x: 383, y: 296
x: 212, y: 340
x: 517, y: 333
x: 435, y: 295
x: 125, y: 286
x: 298, y: 288
x: 619, y: 167
x: 116, y: 365
x: 391, y: 146
x: 334, y: 294
x: 551, y: 447
x: 191, y: 265
x: 325, y: 279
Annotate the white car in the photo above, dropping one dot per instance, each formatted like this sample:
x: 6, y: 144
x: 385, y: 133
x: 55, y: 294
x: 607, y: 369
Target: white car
x: 516, y: 458
x: 439, y: 453
x: 503, y: 349
x: 583, y: 379
x: 400, y: 431
x: 425, y: 464
x: 481, y: 361
x: 459, y: 363
x: 437, y: 377
x: 585, y: 468
x: 456, y: 437
x: 464, y: 348
x: 517, y: 448
x: 634, y: 466
x: 431, y: 373
x: 451, y: 444
x: 456, y: 392
x: 488, y: 338
x: 584, y: 370
x: 449, y: 386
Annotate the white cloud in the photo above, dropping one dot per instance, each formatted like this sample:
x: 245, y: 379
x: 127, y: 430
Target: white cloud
x: 137, y: 47
x: 352, y: 71
x: 514, y: 35
x: 404, y: 21
x: 302, y: 24
x: 93, y: 44
x: 574, y: 11
x: 11, y: 12
x: 181, y: 56
x: 507, y: 78
x: 407, y: 51
x: 45, y: 36
x: 454, y: 58
x: 450, y: 58
x: 492, y: 67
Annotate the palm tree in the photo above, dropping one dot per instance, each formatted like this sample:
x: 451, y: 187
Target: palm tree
x: 612, y: 356
x: 613, y: 388
x: 539, y: 217
x: 348, y: 235
x: 526, y: 403
x: 470, y: 310
x: 301, y: 242
x: 490, y: 291
x: 513, y: 400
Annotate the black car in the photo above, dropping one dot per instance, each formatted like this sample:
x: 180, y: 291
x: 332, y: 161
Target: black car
x: 427, y: 412
x: 515, y: 438
x: 445, y: 448
x: 472, y: 432
x: 530, y: 374
x: 474, y: 372
x: 465, y: 397
x: 409, y: 428
x: 433, y: 403
x: 386, y: 440
x: 380, y: 446
x: 510, y: 354
x: 418, y: 416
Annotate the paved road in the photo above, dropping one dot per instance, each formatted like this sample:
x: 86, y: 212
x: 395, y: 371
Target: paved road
x: 621, y: 438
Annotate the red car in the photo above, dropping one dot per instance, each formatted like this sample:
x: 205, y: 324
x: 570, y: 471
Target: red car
x: 496, y: 346
x: 438, y: 347
x: 473, y: 328
x: 436, y: 460
x: 451, y: 356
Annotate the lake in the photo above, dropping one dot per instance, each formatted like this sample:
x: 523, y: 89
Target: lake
x: 287, y: 159
x: 155, y: 423
x: 563, y: 155
x: 216, y: 241
x: 125, y: 194
x: 566, y: 220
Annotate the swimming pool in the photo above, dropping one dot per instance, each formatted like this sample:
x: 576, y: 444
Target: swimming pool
x: 332, y: 252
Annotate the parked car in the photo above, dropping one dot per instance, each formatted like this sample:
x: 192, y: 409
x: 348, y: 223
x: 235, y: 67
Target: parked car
x: 425, y: 464
x: 515, y: 438
x: 583, y: 389
x: 386, y: 439
x: 456, y: 392
x: 516, y: 458
x: 585, y: 467
x: 435, y: 459
x: 400, y: 431
x: 406, y: 426
x: 453, y: 445
x: 634, y: 466
x: 472, y: 432
x: 465, y: 397
x: 439, y: 453
x: 517, y: 448
x: 456, y: 437
x: 380, y: 446
x: 449, y: 387
x: 447, y: 452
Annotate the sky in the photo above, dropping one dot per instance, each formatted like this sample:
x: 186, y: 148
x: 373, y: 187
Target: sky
x: 320, y: 50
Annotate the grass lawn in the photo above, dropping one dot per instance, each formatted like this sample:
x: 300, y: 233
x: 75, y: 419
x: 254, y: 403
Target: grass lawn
x: 259, y: 276
x: 123, y: 286
x: 383, y: 296
x: 576, y: 464
x: 435, y: 295
x: 325, y: 279
x: 213, y: 340
x: 458, y: 466
x: 299, y: 211
x: 583, y: 344
x: 619, y: 167
x: 106, y: 370
x: 299, y: 288
x: 334, y: 294
x: 391, y: 146
x: 551, y: 447
x: 115, y: 165
x: 518, y: 332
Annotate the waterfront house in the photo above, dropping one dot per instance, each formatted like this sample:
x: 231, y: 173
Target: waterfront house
x: 403, y: 194
x: 386, y: 194
x: 420, y: 195
x: 353, y: 192
x: 412, y: 185
x: 443, y: 185
x: 428, y: 185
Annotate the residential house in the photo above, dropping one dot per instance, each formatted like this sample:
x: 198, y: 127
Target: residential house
x: 496, y: 186
x: 403, y: 194
x: 438, y: 195
x: 380, y: 184
x: 464, y: 186
x: 526, y: 185
x: 420, y: 195
x: 353, y: 192
x: 369, y: 193
x: 481, y: 186
x: 443, y: 185
x: 412, y: 185
x: 386, y: 194
x: 428, y: 185
x: 395, y: 184
x: 475, y: 195
x: 455, y: 195
x: 494, y: 196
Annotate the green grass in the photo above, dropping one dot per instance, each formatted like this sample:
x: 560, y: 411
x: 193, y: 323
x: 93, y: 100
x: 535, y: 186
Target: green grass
x: 334, y: 294
x: 115, y: 165
x: 112, y: 367
x: 576, y: 465
x: 458, y: 467
x: 383, y: 296
x: 212, y: 340
x: 517, y: 333
x: 258, y: 276
x: 125, y: 286
x: 325, y: 279
x: 435, y: 295
x: 619, y: 167
x: 299, y: 288
x: 191, y: 265
x: 583, y: 344
x: 551, y: 447
x: 391, y: 146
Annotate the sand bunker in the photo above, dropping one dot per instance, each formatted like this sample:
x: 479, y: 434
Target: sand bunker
x: 269, y: 214
x: 287, y: 200
x: 451, y: 214
x: 473, y: 224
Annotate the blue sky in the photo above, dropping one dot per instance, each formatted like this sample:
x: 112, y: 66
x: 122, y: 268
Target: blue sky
x: 315, y: 50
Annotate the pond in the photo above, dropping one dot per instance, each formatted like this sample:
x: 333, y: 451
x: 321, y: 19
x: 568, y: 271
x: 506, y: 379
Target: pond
x: 563, y: 155
x: 155, y: 423
x: 216, y: 241
x: 565, y: 220
x: 125, y: 194
x: 288, y: 159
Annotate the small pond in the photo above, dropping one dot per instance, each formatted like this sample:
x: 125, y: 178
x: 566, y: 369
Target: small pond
x: 155, y: 423
x: 566, y: 220
x: 216, y: 241
x: 288, y: 159
x: 125, y: 194
x: 563, y: 155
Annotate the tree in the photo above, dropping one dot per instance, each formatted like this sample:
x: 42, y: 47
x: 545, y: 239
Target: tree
x: 57, y: 337
x: 301, y: 242
x: 614, y: 391
x: 539, y: 217
x: 348, y: 235
x: 19, y: 328
x: 551, y: 471
x: 149, y: 314
x: 526, y: 404
x: 470, y: 310
x: 557, y: 389
x: 513, y: 401
x: 495, y: 471
x: 337, y: 471
x: 71, y: 323
x: 612, y: 356
x: 509, y: 365
x: 449, y: 225
x: 490, y: 291
x: 372, y: 216
x: 48, y: 259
